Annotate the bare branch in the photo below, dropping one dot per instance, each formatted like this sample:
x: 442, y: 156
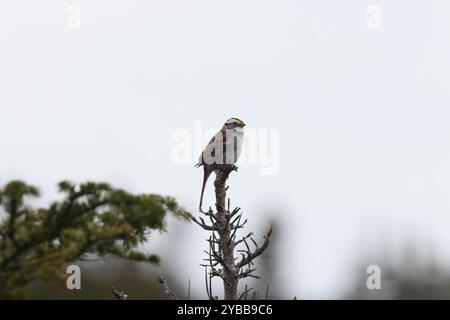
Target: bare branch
x: 206, y: 284
x: 242, y: 240
x: 202, y: 224
x: 254, y: 242
x: 250, y: 257
x: 248, y: 273
x: 245, y: 293
x: 235, y: 211
x: 212, y: 241
x: 119, y: 294
x: 235, y: 229
x: 267, y: 294
x: 169, y: 292
x: 218, y: 258
x: 189, y: 289
x: 211, y: 215
x: 216, y: 273
x: 247, y: 246
x: 237, y: 218
x: 221, y: 261
x: 239, y: 226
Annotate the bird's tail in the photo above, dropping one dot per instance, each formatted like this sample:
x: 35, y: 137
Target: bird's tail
x: 206, y: 174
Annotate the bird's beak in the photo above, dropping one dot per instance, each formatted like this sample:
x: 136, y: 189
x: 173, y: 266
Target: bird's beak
x: 242, y: 125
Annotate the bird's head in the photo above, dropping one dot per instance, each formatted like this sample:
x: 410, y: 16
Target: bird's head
x: 234, y: 123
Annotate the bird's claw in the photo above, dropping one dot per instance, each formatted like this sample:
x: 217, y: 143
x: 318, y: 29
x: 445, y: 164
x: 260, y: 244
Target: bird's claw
x: 234, y: 168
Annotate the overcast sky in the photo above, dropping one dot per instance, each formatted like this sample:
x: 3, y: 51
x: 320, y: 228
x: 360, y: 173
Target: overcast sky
x: 362, y: 116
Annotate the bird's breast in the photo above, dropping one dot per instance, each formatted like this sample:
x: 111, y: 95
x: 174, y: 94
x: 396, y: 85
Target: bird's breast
x: 235, y: 142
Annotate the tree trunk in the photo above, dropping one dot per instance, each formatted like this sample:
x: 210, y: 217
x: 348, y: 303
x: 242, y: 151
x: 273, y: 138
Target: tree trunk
x: 222, y: 242
x: 226, y: 248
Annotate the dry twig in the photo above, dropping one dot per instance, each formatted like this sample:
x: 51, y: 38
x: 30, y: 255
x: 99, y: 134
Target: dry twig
x: 119, y: 294
x: 220, y: 261
x: 169, y: 292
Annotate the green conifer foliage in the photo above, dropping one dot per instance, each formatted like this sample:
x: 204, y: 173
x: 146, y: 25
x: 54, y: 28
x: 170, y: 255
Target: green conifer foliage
x: 37, y: 243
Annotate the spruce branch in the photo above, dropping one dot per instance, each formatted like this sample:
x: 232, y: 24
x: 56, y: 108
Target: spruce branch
x: 36, y: 243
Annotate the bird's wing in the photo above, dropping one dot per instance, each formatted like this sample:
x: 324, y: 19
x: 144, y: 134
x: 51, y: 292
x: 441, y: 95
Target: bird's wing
x: 213, y: 147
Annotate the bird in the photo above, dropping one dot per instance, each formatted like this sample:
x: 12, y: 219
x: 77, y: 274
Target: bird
x: 224, y: 148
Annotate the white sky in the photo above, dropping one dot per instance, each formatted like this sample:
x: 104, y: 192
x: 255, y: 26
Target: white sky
x: 363, y: 115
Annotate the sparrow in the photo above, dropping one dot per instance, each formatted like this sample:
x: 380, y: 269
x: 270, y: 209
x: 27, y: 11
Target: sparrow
x: 223, y: 149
